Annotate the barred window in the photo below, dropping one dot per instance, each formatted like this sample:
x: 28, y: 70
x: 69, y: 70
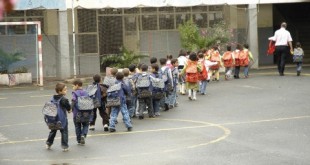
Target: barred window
x: 200, y: 9
x: 130, y: 23
x: 87, y: 21
x: 216, y: 8
x: 15, y: 13
x: 149, y: 10
x: 166, y: 10
x: 183, y: 9
x: 87, y: 43
x: 201, y: 19
x: 34, y: 12
x: 110, y: 11
x: 132, y: 11
x: 149, y: 22
x: 181, y: 18
x: 166, y: 21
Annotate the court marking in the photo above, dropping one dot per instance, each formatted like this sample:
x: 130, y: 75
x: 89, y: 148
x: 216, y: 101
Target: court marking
x: 226, y: 131
x: 41, y: 96
x: 3, y: 98
x: 20, y: 106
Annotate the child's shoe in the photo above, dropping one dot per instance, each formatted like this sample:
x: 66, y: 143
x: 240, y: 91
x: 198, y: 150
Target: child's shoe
x: 82, y: 140
x: 141, y: 117
x: 157, y: 114
x: 65, y: 149
x: 298, y: 73
x: 129, y: 129
x: 112, y: 130
x: 92, y: 127
x: 171, y: 106
x: 48, y: 146
x: 176, y: 104
x: 166, y: 107
x: 106, y: 128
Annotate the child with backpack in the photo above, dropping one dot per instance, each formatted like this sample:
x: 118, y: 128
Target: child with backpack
x: 109, y: 80
x: 62, y: 106
x: 144, y: 89
x: 82, y: 111
x: 116, y: 99
x: 245, y: 56
x: 175, y: 78
x: 298, y: 55
x: 236, y: 54
x: 158, y: 86
x: 215, y: 56
x: 182, y: 61
x: 191, y: 70
x: 228, y: 60
x: 203, y: 75
x: 166, y: 74
x: 98, y: 92
x: 168, y: 63
x: 133, y: 75
x: 132, y: 90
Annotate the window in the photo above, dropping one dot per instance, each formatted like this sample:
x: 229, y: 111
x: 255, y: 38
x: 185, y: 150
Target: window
x: 130, y: 23
x: 87, y: 21
x: 87, y: 43
x: 149, y: 22
x: 166, y: 21
x: 181, y: 18
x: 201, y: 19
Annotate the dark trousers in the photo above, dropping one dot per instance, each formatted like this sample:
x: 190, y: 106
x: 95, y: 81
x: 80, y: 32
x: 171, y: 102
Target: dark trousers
x: 237, y: 70
x: 281, y: 52
x: 143, y: 102
x: 81, y: 129
x: 64, y: 137
x: 105, y: 117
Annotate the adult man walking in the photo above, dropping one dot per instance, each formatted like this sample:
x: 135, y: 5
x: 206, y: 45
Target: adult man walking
x: 283, y: 43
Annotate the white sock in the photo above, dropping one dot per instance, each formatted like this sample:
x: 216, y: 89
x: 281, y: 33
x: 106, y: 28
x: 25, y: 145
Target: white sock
x: 194, y: 94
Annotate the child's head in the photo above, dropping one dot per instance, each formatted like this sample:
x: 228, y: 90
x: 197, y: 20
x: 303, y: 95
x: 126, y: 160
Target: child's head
x: 126, y: 72
x: 169, y: 57
x: 144, y: 68
x: 61, y: 88
x: 228, y: 48
x: 77, y: 83
x: 114, y: 71
x: 163, y: 61
x: 140, y: 65
x: 97, y: 78
x: 215, y: 47
x: 246, y: 46
x: 119, y: 76
x: 239, y: 47
x: 193, y: 56
x: 298, y: 45
x: 153, y: 60
x: 132, y: 67
x: 182, y: 52
x: 175, y: 62
x: 155, y: 68
x: 201, y: 55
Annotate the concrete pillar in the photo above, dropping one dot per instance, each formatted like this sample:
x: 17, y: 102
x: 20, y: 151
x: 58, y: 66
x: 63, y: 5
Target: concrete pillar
x: 63, y: 59
x: 253, y: 33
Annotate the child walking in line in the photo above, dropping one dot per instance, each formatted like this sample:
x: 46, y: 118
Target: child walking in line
x: 298, y: 57
x: 157, y: 93
x: 168, y: 63
x: 110, y: 80
x: 144, y: 89
x: 64, y: 105
x: 228, y: 60
x: 191, y: 70
x: 100, y: 95
x: 182, y: 61
x: 132, y: 90
x: 236, y: 54
x: 118, y: 91
x: 203, y: 75
x: 215, y: 56
x: 81, y: 117
x: 245, y: 57
x: 165, y: 72
x: 133, y: 75
x: 175, y: 80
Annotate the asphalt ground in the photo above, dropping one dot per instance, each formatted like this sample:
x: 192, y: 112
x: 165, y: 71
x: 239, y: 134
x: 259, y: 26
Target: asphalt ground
x: 262, y: 120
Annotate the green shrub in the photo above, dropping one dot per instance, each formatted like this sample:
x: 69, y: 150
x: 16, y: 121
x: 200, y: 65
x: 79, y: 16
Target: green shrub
x: 6, y: 59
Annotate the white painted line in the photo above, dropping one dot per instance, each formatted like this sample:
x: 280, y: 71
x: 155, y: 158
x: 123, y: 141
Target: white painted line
x: 42, y: 96
x: 253, y: 87
x: 3, y: 98
x: 21, y: 106
x: 3, y: 138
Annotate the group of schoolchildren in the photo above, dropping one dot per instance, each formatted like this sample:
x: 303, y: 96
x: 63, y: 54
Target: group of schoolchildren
x: 137, y: 89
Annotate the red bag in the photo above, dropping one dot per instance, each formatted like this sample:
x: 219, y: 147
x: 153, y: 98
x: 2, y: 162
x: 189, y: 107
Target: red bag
x: 203, y: 75
x: 271, y: 48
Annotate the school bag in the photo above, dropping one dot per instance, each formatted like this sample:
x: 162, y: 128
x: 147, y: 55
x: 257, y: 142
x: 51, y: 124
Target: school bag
x: 215, y: 57
x: 191, y: 72
x: 244, y: 58
x: 158, y: 87
x: 94, y: 91
x: 130, y: 84
x: 298, y: 55
x: 271, y: 47
x: 84, y: 102
x: 109, y: 80
x: 143, y: 86
x: 54, y: 115
x: 227, y: 59
x: 113, y: 95
x: 166, y: 78
x: 203, y: 75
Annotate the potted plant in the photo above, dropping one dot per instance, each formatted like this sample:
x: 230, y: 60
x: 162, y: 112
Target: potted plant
x: 18, y: 75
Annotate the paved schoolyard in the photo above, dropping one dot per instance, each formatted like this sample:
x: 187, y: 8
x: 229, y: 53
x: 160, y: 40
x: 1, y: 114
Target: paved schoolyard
x: 259, y: 121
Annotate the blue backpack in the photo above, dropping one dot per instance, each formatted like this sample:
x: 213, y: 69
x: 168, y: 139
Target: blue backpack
x: 113, y: 95
x: 54, y: 116
x: 168, y: 82
x: 144, y: 87
x: 158, y: 87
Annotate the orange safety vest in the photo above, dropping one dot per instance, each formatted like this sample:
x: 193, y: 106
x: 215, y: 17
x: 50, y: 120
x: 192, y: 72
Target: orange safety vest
x: 227, y: 58
x: 215, y: 57
x: 244, y: 58
x: 191, y: 72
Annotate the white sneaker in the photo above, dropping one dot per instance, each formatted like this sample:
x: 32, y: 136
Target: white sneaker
x: 65, y: 149
x: 48, y: 147
x: 92, y: 127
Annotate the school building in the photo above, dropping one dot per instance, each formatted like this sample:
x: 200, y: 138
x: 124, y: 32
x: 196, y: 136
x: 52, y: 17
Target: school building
x: 149, y: 27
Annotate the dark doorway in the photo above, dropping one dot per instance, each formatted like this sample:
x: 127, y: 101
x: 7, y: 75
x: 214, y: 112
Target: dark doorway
x: 298, y: 20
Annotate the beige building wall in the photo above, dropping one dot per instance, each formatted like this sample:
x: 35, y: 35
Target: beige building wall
x: 51, y: 22
x: 265, y: 17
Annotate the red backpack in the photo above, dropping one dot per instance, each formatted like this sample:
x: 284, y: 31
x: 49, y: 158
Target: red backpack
x: 271, y: 48
x: 191, y: 72
x: 244, y: 58
x: 227, y: 58
x: 203, y: 75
